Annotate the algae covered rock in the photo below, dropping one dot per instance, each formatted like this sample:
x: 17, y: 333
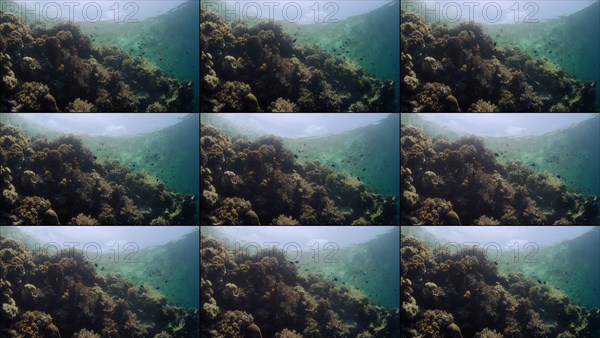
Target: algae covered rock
x: 262, y: 182
x: 58, y: 68
x: 62, y: 182
x: 260, y: 68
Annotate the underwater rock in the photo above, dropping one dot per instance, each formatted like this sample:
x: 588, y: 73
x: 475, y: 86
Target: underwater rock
x: 276, y: 188
x: 253, y: 290
x: 471, y: 299
x: 58, y: 69
x: 259, y: 67
x: 460, y: 68
x: 461, y: 182
x: 71, y: 300
x: 60, y: 181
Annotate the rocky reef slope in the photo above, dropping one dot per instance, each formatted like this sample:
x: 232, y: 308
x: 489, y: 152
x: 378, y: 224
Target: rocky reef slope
x: 461, y: 69
x: 57, y: 68
x: 61, y: 295
x: 61, y: 182
x: 264, y: 296
x: 259, y: 68
x: 462, y: 295
x: 261, y: 182
x: 461, y: 182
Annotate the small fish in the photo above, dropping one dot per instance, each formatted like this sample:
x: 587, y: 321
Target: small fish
x: 297, y: 262
x: 557, y: 176
x: 496, y: 154
x: 295, y: 156
x: 96, y: 264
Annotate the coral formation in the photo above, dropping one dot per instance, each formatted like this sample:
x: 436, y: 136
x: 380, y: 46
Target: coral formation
x: 259, y: 67
x: 463, y: 295
x: 58, y: 69
x: 261, y: 182
x: 263, y: 295
x: 60, y: 295
x: 461, y: 182
x: 461, y: 69
x: 61, y: 182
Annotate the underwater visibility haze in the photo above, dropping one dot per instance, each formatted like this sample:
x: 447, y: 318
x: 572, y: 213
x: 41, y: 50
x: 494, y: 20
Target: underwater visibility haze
x: 500, y: 281
x: 348, y: 177
x: 519, y: 176
x: 300, y: 281
x: 529, y: 57
x: 115, y: 57
x: 341, y: 56
x: 99, y: 282
x: 92, y: 169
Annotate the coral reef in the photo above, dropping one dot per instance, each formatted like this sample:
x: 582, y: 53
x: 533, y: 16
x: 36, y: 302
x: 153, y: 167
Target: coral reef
x: 463, y: 295
x: 261, y: 182
x: 263, y: 295
x: 461, y: 69
x: 60, y: 181
x: 259, y: 68
x: 60, y: 295
x: 446, y: 182
x: 58, y: 69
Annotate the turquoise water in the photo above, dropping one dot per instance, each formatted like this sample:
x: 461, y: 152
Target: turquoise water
x: 526, y: 62
x: 106, y: 57
x: 557, y: 172
x: 479, y: 280
x: 345, y: 282
x: 169, y: 41
x: 127, y: 281
x: 350, y: 166
x: 328, y: 63
x: 154, y: 170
